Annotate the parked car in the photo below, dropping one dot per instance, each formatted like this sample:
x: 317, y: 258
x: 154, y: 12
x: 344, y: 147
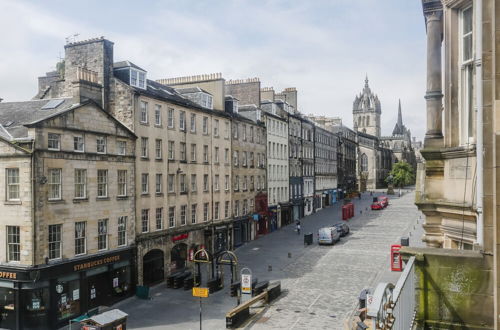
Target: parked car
x: 342, y: 228
x: 384, y: 200
x: 377, y: 205
x: 328, y: 235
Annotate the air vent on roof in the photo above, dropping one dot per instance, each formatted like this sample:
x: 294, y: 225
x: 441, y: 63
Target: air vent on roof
x: 52, y: 104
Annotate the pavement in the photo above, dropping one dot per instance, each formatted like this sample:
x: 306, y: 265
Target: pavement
x: 320, y: 284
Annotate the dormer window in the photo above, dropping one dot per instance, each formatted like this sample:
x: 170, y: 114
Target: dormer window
x: 137, y: 78
x: 235, y: 106
x: 206, y: 101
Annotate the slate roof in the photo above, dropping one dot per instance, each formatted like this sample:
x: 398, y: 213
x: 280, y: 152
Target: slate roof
x: 14, y: 115
x: 188, y: 90
x: 125, y: 64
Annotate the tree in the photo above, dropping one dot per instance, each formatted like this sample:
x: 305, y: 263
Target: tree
x: 402, y: 174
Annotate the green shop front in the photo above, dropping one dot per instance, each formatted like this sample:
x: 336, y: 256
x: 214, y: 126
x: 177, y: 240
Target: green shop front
x: 49, y: 296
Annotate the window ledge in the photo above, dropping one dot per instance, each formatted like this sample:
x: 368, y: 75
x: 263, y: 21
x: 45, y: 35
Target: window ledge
x: 102, y: 199
x: 121, y: 198
x: 56, y: 201
x: 159, y: 159
x: 184, y: 193
x: 144, y: 123
x: 145, y: 158
x: 171, y: 193
x: 80, y: 200
x: 144, y: 194
x: 159, y: 194
x: 12, y: 202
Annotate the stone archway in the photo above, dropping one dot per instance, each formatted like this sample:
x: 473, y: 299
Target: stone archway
x: 153, y: 268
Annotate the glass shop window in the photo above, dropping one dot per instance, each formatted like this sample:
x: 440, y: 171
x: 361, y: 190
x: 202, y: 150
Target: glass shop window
x: 121, y: 279
x: 7, y: 308
x: 68, y: 297
x: 36, y: 304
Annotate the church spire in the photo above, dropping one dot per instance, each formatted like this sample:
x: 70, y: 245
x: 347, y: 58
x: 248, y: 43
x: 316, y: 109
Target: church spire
x: 366, y: 80
x: 400, y: 116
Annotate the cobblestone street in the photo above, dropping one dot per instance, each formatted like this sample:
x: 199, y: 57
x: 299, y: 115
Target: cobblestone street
x: 320, y: 283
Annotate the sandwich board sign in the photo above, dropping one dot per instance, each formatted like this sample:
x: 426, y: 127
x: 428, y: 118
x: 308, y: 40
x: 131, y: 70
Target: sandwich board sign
x: 246, y: 281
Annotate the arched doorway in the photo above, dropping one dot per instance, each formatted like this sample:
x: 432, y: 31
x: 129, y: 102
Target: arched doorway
x: 153, y: 267
x: 178, y: 256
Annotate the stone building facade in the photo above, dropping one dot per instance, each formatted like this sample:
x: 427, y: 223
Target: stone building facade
x: 348, y: 158
x: 325, y: 167
x: 69, y: 208
x: 295, y: 166
x: 180, y: 146
x: 457, y: 182
x: 307, y: 159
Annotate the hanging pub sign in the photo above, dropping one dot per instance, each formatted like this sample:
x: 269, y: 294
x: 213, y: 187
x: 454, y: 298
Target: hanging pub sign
x: 180, y: 237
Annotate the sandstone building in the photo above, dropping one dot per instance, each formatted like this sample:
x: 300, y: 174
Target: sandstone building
x: 68, y: 209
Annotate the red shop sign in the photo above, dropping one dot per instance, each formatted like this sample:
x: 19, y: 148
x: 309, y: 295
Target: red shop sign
x: 180, y: 237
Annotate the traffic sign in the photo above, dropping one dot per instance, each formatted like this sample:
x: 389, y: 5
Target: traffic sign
x: 246, y: 283
x: 200, y: 292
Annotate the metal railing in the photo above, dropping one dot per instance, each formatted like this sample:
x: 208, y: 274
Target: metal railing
x: 394, y: 307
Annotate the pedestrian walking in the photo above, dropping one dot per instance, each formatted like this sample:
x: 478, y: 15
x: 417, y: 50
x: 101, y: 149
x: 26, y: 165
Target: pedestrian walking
x: 298, y: 227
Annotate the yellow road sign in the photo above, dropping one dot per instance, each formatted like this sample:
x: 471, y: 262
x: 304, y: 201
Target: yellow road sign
x: 200, y: 292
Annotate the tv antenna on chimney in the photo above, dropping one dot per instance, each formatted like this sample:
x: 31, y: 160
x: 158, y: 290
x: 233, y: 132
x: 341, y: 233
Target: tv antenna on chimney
x: 72, y: 38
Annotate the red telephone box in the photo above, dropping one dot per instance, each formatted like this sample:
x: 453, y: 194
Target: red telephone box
x: 345, y: 213
x: 351, y: 210
x: 396, y: 260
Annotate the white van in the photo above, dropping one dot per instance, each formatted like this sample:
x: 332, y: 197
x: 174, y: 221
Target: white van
x: 328, y: 235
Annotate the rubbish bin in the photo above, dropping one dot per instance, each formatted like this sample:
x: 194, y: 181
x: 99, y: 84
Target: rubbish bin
x: 405, y: 241
x: 308, y: 239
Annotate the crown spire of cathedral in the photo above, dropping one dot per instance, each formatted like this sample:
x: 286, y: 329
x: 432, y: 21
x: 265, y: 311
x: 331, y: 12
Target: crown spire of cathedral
x: 400, y: 116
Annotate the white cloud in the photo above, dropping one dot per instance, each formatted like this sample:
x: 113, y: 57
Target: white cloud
x: 324, y: 48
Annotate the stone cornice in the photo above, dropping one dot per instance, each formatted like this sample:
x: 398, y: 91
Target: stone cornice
x: 448, y: 153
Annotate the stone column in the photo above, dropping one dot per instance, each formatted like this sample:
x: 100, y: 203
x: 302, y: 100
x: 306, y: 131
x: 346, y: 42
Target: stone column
x: 433, y: 12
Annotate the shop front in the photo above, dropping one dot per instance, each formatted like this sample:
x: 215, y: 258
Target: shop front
x: 297, y: 209
x: 49, y: 296
x: 273, y: 217
x: 241, y: 231
x: 286, y: 214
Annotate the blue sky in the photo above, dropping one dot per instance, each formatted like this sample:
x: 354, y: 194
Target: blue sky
x: 324, y: 48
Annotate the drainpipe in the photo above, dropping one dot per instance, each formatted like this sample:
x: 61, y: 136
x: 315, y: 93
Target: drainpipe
x: 478, y: 10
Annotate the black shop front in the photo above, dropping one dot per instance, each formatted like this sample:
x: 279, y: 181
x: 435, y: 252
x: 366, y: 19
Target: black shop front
x: 48, y: 296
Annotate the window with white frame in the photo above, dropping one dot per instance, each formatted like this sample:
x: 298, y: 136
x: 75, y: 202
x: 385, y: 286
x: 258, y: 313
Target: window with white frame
x: 142, y: 80
x: 235, y: 157
x: 194, y: 209
x: 158, y: 115
x: 13, y: 184
x: 205, y: 125
x: 122, y: 231
x: 55, y: 235
x: 244, y: 156
x: 237, y: 208
x: 170, y: 118
x: 54, y: 141
x: 193, y: 123
x: 55, y: 183
x: 158, y: 183
x: 466, y: 77
x: 216, y: 155
x: 182, y: 183
x: 80, y: 238
x: 102, y: 234
x: 236, y: 183
x: 122, y: 182
x: 205, y: 153
x: 171, y: 150
x: 182, y: 120
x: 194, y: 185
x: 245, y: 207
x: 216, y: 211
x: 122, y: 147
x: 182, y: 151
x: 226, y: 182
x: 228, y: 130
x: 171, y: 183
x: 102, y: 183
x: 205, y: 212
x: 183, y: 215
x: 205, y: 182
x: 158, y: 149
x: 144, y: 147
x: 144, y: 220
x: 216, y: 127
x: 245, y: 186
x: 235, y: 131
x: 226, y: 209
x: 80, y: 183
x: 216, y: 183
x: 159, y: 218
x: 78, y: 143
x: 144, y: 112
x: 13, y: 243
x: 193, y: 152
x: 171, y: 217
